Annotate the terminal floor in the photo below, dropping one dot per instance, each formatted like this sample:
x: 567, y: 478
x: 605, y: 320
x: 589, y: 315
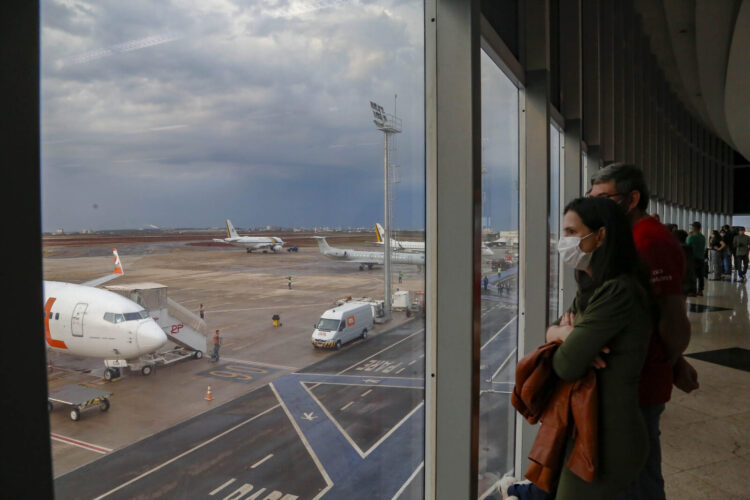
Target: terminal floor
x: 706, y: 434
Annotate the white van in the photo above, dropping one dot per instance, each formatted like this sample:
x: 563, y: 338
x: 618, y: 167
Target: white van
x: 342, y: 324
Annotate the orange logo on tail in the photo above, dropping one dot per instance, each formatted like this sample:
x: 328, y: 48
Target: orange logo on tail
x: 118, y: 265
x: 47, y: 335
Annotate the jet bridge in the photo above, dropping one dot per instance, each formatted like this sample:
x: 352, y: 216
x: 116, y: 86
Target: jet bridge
x: 182, y: 327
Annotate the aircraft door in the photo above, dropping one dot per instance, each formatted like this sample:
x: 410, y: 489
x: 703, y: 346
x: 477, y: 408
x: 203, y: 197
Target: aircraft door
x: 76, y: 322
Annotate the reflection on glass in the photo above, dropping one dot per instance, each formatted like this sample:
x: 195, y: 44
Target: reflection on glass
x: 216, y: 143
x: 499, y: 274
x: 554, y: 223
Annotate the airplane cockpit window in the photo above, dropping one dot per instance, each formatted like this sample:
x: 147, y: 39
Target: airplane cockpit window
x: 109, y: 317
x: 142, y: 314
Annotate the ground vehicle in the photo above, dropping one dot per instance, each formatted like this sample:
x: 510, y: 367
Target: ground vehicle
x: 342, y: 324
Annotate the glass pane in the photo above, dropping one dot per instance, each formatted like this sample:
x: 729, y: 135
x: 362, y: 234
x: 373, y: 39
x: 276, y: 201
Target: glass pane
x: 499, y: 274
x: 233, y: 153
x: 554, y: 223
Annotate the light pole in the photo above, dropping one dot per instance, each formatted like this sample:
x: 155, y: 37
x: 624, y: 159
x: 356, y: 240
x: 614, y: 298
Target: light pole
x: 389, y: 125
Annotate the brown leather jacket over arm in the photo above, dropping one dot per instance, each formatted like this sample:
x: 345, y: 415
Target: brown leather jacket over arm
x: 565, y: 409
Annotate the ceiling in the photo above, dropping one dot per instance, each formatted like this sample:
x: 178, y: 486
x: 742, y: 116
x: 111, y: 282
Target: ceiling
x: 703, y: 48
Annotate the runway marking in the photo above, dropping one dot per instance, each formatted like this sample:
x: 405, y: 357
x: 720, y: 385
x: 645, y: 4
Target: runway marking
x: 500, y: 330
x: 259, y: 462
x: 323, y: 472
x: 382, y: 350
x: 366, y: 393
x: 222, y: 487
x: 80, y: 444
x: 185, y: 453
x: 249, y: 362
x: 503, y: 364
x: 347, y: 405
x: 408, y: 481
x: 412, y: 362
x: 242, y: 346
x: 402, y: 369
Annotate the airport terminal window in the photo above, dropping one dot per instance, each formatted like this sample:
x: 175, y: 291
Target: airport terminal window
x: 499, y: 326
x: 233, y: 152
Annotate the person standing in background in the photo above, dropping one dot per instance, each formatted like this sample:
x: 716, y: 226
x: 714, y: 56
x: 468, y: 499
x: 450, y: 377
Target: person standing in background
x: 202, y: 311
x: 726, y: 236
x: 717, y: 251
x: 697, y: 242
x: 741, y: 244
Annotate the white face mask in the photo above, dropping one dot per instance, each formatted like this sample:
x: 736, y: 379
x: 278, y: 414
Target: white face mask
x: 571, y: 253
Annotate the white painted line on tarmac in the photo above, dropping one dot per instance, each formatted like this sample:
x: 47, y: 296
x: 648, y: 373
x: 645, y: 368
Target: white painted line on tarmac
x: 500, y: 330
x: 412, y: 361
x: 347, y: 405
x: 402, y: 369
x: 222, y: 487
x: 185, y: 453
x: 503, y: 364
x: 366, y: 393
x: 321, y: 469
x: 259, y: 363
x: 80, y: 444
x: 259, y: 462
x: 382, y: 350
x: 408, y: 481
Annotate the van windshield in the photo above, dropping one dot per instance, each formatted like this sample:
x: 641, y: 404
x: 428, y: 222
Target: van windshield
x: 328, y: 324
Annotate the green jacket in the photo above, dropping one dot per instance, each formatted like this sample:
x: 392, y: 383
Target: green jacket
x: 698, y: 243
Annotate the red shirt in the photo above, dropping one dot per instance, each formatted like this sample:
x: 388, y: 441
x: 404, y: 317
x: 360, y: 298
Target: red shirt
x: 665, y: 260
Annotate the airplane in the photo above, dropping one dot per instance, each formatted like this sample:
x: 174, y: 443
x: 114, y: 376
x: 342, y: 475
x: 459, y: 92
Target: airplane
x: 264, y: 243
x: 82, y: 320
x: 414, y: 246
x: 365, y: 258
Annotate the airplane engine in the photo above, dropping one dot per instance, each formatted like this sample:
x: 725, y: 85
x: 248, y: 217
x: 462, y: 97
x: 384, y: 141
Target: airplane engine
x: 277, y: 248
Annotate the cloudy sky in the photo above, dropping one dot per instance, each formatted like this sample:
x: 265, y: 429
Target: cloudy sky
x: 181, y: 113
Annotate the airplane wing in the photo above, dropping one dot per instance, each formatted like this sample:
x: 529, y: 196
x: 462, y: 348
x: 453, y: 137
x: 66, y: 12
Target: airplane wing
x: 118, y: 271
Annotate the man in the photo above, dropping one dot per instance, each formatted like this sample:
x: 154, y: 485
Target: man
x: 664, y: 364
x: 202, y: 311
x: 727, y: 237
x: 289, y: 282
x: 400, y: 276
x: 485, y: 282
x: 217, y: 343
x: 697, y: 243
x: 741, y: 244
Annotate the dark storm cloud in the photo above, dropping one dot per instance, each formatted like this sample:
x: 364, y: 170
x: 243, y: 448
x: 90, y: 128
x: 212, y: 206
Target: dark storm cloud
x: 186, y: 113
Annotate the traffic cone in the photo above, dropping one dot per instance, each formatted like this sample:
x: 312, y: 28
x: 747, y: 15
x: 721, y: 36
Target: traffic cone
x: 209, y: 397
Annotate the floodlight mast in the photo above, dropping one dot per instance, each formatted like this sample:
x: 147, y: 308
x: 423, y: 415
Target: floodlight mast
x: 388, y: 124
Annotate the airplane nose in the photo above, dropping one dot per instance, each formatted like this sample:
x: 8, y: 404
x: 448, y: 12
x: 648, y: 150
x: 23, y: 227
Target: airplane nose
x: 150, y: 337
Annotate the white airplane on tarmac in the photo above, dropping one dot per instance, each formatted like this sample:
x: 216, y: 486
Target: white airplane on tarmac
x: 366, y: 258
x: 86, y: 321
x: 414, y: 246
x: 264, y: 243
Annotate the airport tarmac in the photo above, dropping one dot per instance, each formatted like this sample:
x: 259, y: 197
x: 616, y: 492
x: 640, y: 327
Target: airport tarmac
x: 287, y: 421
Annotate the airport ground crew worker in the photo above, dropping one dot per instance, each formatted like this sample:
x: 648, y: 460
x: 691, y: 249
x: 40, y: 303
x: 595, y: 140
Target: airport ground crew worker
x: 485, y: 282
x: 289, y: 282
x: 400, y: 276
x: 217, y: 343
x: 202, y: 311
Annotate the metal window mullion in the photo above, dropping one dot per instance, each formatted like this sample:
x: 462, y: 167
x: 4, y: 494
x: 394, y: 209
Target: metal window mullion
x: 453, y: 205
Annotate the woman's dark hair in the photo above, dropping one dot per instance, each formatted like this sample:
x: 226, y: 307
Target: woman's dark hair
x: 681, y: 235
x: 617, y: 255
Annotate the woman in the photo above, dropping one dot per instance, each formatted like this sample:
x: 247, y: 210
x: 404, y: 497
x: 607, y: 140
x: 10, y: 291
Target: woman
x: 608, y: 327
x: 717, y: 251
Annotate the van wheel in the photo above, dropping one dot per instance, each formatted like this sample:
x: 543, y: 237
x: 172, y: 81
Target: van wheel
x: 364, y: 334
x: 338, y: 345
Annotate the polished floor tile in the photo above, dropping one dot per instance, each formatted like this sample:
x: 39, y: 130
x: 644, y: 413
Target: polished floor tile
x: 706, y: 434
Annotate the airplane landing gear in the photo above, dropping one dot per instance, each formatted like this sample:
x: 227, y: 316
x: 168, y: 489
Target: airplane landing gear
x: 111, y: 374
x: 361, y: 267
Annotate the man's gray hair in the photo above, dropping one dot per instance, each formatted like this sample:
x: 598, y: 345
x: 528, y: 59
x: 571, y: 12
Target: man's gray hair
x: 627, y: 178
